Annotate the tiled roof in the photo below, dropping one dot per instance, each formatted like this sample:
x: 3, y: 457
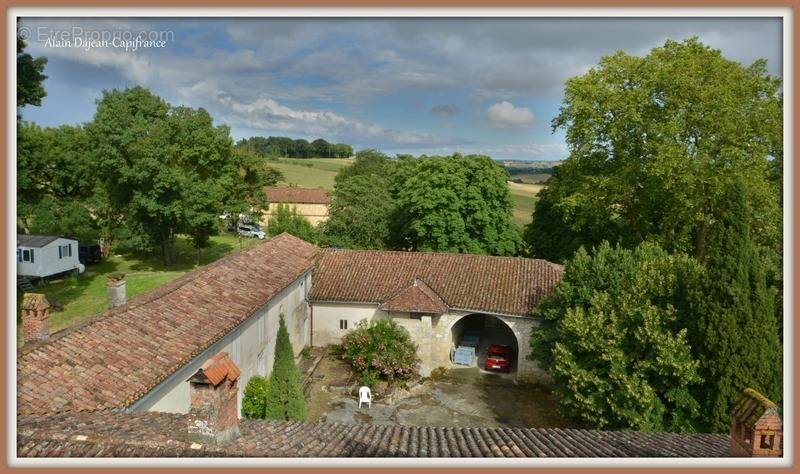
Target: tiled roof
x: 417, y: 298
x: 112, y: 360
x: 297, y: 195
x: 506, y: 285
x: 218, y: 368
x: 152, y: 434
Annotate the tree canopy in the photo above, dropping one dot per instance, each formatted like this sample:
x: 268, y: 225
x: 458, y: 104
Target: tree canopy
x: 653, y: 142
x: 612, y: 340
x: 286, y: 219
x: 433, y: 203
x: 168, y: 169
x: 295, y: 148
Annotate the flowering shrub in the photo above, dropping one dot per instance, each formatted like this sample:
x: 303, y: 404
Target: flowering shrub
x: 382, y: 347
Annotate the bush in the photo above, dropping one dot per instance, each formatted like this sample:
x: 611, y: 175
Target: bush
x: 285, y: 400
x: 255, y: 398
x: 287, y: 219
x: 383, y: 347
x: 369, y: 378
x: 306, y: 352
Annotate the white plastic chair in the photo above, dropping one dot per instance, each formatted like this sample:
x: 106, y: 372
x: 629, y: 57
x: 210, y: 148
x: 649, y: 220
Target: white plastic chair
x: 364, y: 396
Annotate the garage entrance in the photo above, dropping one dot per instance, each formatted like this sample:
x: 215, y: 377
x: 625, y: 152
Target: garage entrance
x: 488, y: 330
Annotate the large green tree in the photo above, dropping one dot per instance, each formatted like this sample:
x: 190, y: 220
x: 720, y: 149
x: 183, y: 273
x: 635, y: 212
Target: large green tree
x: 168, y: 170
x: 285, y: 400
x: 57, y: 187
x: 612, y: 339
x: 733, y: 330
x: 456, y: 204
x: 653, y: 142
x: 360, y: 212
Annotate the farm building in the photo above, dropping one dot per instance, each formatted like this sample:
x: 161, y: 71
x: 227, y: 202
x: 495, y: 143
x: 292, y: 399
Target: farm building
x: 42, y: 256
x: 311, y: 203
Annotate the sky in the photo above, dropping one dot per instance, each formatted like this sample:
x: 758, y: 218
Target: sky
x: 401, y: 85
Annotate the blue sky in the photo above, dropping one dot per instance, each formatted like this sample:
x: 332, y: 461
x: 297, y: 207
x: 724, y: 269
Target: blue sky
x: 402, y: 85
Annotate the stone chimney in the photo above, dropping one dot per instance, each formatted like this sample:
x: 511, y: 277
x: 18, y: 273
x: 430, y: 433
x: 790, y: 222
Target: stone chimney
x: 35, y: 318
x: 756, y: 427
x: 214, y: 414
x: 116, y: 290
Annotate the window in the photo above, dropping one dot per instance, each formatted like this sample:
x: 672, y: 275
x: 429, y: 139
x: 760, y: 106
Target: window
x: 27, y: 255
x: 64, y: 251
x: 767, y: 441
x: 19, y: 255
x: 342, y: 324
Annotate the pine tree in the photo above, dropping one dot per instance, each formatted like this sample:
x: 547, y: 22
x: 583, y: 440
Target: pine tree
x: 285, y: 400
x: 736, y: 337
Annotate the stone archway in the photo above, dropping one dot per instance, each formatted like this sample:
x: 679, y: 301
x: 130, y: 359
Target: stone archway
x: 488, y: 330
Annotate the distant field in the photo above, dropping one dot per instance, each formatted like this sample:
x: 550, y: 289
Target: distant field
x: 309, y: 172
x: 524, y: 196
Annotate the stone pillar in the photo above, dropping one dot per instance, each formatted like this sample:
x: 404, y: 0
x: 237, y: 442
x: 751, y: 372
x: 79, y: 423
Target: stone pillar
x: 213, y: 414
x: 116, y: 290
x: 35, y: 318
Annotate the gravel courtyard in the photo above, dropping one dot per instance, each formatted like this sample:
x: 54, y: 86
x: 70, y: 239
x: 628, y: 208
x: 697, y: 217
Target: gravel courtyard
x: 463, y: 397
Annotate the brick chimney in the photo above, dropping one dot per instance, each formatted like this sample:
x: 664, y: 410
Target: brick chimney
x: 214, y: 414
x: 116, y: 290
x: 756, y: 427
x: 35, y: 318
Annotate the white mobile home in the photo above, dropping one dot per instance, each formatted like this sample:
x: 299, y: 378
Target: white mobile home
x: 45, y: 255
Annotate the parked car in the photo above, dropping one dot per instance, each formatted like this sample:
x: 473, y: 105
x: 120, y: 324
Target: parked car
x: 499, y: 358
x: 251, y: 230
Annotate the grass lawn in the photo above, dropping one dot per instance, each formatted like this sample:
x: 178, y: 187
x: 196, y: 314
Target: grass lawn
x: 85, y: 295
x: 309, y: 172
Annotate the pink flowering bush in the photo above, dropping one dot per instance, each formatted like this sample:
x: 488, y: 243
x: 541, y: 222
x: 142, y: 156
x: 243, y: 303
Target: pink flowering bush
x: 382, y: 347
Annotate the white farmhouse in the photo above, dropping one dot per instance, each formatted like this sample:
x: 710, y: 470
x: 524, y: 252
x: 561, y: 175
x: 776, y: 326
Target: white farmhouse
x: 45, y: 255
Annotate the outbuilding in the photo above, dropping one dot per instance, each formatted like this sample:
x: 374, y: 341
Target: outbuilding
x: 42, y: 256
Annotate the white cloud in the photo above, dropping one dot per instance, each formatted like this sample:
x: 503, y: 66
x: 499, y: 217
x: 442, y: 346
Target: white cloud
x: 505, y: 114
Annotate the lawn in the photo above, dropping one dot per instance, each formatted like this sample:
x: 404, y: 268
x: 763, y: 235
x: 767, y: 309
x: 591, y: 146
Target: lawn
x: 84, y: 295
x: 309, y: 172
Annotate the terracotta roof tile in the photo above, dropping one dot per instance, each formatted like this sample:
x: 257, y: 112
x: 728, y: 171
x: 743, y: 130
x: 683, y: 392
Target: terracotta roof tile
x: 152, y: 434
x: 416, y: 298
x: 112, y: 360
x: 506, y: 285
x: 297, y: 195
x: 218, y: 368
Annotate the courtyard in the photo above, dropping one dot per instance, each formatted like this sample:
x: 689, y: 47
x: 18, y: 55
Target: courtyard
x: 460, y: 397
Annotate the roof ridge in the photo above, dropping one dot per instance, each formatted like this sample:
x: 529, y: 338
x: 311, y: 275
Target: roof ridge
x: 421, y: 252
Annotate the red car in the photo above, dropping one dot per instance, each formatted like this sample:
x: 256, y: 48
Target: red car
x: 499, y: 358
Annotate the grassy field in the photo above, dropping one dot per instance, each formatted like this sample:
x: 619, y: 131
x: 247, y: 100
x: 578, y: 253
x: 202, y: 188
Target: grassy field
x: 85, y: 295
x: 310, y: 172
x: 524, y: 196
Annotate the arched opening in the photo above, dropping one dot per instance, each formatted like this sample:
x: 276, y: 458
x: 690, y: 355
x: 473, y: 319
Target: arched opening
x: 484, y: 331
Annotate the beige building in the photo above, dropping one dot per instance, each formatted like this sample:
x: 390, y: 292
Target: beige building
x: 436, y: 296
x: 311, y: 203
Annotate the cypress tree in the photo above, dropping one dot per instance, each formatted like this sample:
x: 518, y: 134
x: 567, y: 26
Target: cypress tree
x: 285, y: 400
x: 735, y: 337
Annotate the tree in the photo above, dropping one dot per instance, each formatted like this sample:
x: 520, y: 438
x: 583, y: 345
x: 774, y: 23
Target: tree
x: 653, y: 143
x: 285, y: 400
x: 380, y: 348
x: 612, y: 340
x: 254, y: 401
x: 733, y: 327
x: 456, y: 204
x: 286, y: 219
x: 166, y: 169
x: 30, y: 77
x: 57, y: 187
x: 360, y: 212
